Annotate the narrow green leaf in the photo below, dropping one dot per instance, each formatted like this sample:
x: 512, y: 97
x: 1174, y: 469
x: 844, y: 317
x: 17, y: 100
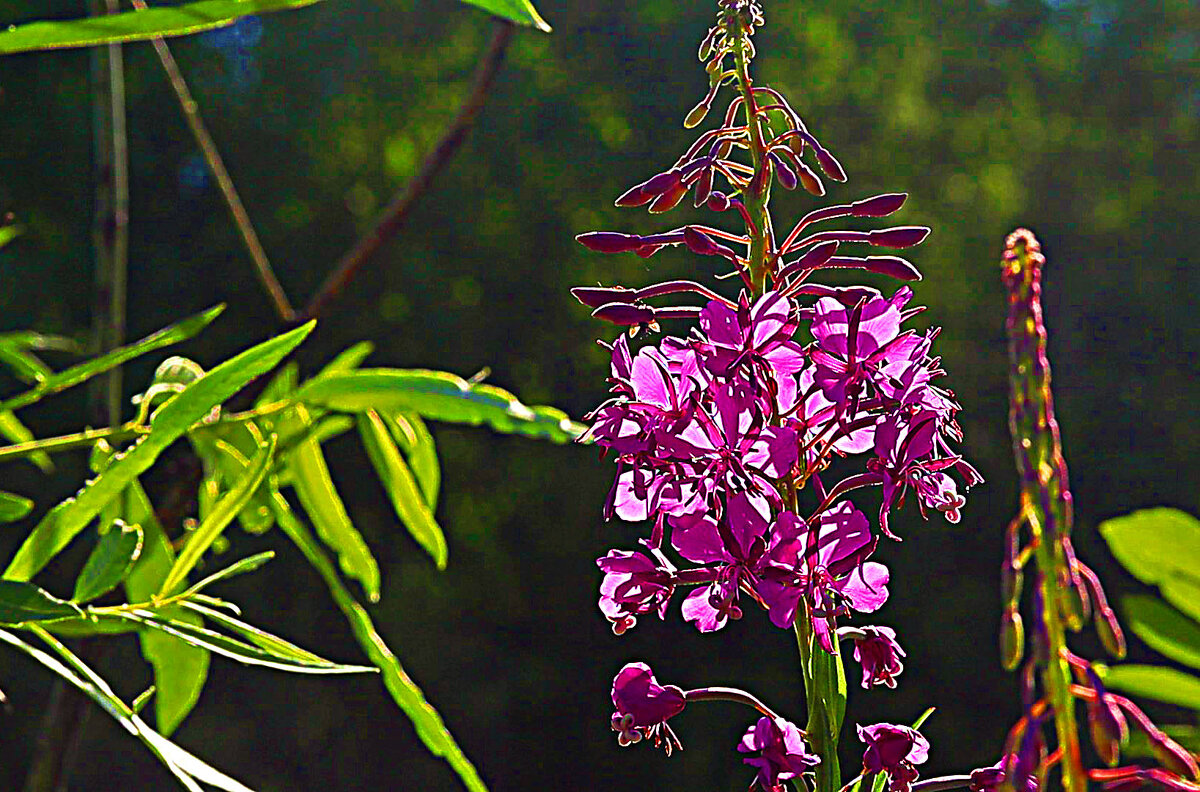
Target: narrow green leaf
x: 221, y: 515
x: 1153, y: 682
x: 16, y: 432
x: 275, y: 645
x: 1164, y: 629
x: 281, y: 386
x: 179, y: 670
x: 13, y: 507
x: 226, y: 450
x: 348, y: 359
x: 310, y: 478
x: 172, y: 420
x: 401, y: 487
x: 81, y: 372
x: 233, y: 570
x: 520, y: 11
x: 164, y: 21
x: 110, y: 562
x: 1160, y: 547
x: 415, y: 440
x: 25, y: 602
x: 237, y: 650
x: 439, y: 396
x: 429, y: 725
x: 186, y: 768
x: 919, y: 722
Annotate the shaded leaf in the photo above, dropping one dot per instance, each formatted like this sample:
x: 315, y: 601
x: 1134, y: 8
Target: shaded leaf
x: 171, y: 421
x: 180, y: 670
x: 440, y: 396
x: 1160, y: 547
x: 401, y: 486
x: 110, y: 562
x: 281, y: 386
x: 221, y: 515
x: 310, y: 478
x: 25, y: 602
x: 348, y: 359
x: 16, y: 432
x: 13, y: 507
x: 233, y: 570
x: 163, y: 21
x: 416, y: 442
x: 520, y: 11
x: 428, y: 723
x: 1164, y: 629
x: 81, y: 372
x: 1153, y: 682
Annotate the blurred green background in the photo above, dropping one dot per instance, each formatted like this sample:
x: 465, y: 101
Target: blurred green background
x: 1078, y: 119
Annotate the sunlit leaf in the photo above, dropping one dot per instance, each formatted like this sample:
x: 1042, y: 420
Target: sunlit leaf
x: 416, y: 442
x: 81, y: 372
x: 170, y: 422
x: 439, y: 396
x: 25, y: 602
x: 520, y: 11
x: 110, y: 562
x: 221, y: 515
x: 401, y: 486
x: 428, y: 723
x: 1160, y: 547
x: 281, y: 386
x: 311, y: 480
x: 16, y: 432
x: 233, y: 570
x: 180, y: 670
x: 164, y: 21
x: 13, y: 507
x: 235, y: 649
x: 1154, y: 682
x: 186, y: 768
x: 1164, y: 629
x: 349, y: 359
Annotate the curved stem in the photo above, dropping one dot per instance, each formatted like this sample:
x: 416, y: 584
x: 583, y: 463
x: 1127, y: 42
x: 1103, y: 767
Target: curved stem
x: 729, y: 694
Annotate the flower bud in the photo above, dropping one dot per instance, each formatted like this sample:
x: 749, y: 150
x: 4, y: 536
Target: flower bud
x: 703, y: 188
x: 809, y: 180
x: 787, y: 177
x: 830, y: 165
x: 595, y: 296
x: 1110, y: 633
x: 899, y: 237
x: 1011, y: 579
x: 635, y: 196
x: 659, y: 184
x: 670, y: 198
x: 878, y: 206
x: 609, y: 242
x: 697, y: 115
x: 718, y: 201
x: 1072, y: 605
x: 796, y: 144
x: 700, y: 243
x: 1012, y: 639
x: 625, y: 314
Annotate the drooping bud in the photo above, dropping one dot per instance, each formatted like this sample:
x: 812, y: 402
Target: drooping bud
x: 1072, y: 604
x: 670, y: 198
x: 892, y: 266
x: 809, y: 180
x: 1110, y: 633
x: 610, y: 242
x: 696, y: 115
x: 702, y: 244
x: 703, y: 188
x: 830, y: 165
x: 1011, y: 579
x: 787, y: 177
x: 1012, y: 639
x: 635, y: 196
x: 718, y: 201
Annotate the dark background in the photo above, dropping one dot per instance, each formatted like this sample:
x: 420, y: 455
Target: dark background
x: 1078, y: 119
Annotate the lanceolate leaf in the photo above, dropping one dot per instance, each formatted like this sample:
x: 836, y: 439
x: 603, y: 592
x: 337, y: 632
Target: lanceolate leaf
x: 13, y: 507
x: 110, y: 561
x: 172, y: 420
x: 221, y: 515
x: 1155, y: 682
x: 25, y: 602
x: 349, y: 359
x: 180, y: 670
x: 233, y: 570
x: 439, y: 396
x: 81, y: 372
x: 137, y: 25
x: 429, y: 725
x: 416, y: 442
x: 311, y: 480
x: 401, y: 487
x: 186, y: 768
x: 1160, y: 547
x: 520, y: 11
x: 16, y: 432
x: 1164, y: 629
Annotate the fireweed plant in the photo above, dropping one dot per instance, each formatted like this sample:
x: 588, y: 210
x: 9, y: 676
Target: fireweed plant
x: 724, y: 437
x: 725, y: 440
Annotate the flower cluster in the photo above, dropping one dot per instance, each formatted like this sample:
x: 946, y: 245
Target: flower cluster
x: 719, y: 434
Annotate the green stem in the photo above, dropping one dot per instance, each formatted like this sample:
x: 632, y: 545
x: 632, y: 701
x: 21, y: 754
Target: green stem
x: 85, y: 439
x: 755, y: 201
x: 825, y: 692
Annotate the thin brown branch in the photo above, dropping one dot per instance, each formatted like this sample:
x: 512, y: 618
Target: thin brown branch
x: 394, y: 216
x: 208, y: 148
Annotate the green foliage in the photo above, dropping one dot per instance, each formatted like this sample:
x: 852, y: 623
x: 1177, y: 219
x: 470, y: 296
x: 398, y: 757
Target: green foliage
x: 1160, y: 547
x: 520, y: 11
x: 21, y: 603
x: 110, y: 563
x: 1154, y: 682
x: 14, y: 507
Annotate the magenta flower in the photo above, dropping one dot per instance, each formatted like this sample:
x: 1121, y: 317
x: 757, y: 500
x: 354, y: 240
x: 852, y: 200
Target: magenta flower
x: 634, y: 584
x: 990, y: 779
x: 879, y: 653
x: 644, y: 706
x: 782, y: 753
x: 893, y: 750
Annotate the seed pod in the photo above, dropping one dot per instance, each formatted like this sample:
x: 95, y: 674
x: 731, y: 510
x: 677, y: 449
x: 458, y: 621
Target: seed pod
x: 696, y: 115
x: 1012, y: 639
x: 1011, y: 578
x: 811, y: 182
x: 1110, y: 633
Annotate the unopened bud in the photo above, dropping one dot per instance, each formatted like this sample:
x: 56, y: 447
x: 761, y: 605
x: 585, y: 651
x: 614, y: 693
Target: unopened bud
x: 899, y: 237
x: 703, y: 188
x: 635, y: 196
x: 1072, y: 606
x: 696, y: 115
x: 1108, y: 749
x: 595, y: 296
x: 1172, y: 755
x: 609, y: 242
x: 660, y: 183
x: 669, y: 199
x: 718, y: 201
x: 830, y: 165
x: 1012, y: 639
x: 1011, y: 578
x: 787, y: 177
x: 796, y: 144
x: 809, y: 180
x: 878, y: 206
x: 1110, y: 633
x: 625, y: 314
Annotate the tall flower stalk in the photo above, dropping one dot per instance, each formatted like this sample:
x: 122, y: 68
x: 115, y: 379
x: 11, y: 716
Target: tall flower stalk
x: 725, y: 438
